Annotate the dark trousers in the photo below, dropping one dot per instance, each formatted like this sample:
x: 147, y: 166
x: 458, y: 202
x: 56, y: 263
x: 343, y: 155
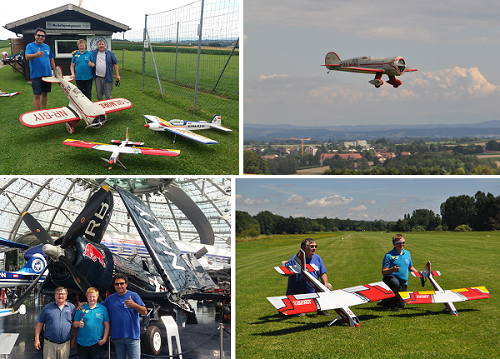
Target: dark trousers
x: 91, y: 352
x: 86, y: 87
x: 396, y: 286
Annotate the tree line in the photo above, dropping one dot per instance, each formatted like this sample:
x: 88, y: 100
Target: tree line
x: 458, y: 213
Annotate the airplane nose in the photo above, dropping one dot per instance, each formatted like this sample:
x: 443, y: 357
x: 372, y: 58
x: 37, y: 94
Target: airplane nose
x: 110, y: 162
x: 146, y: 125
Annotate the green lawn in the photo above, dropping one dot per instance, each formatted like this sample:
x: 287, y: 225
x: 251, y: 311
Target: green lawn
x: 418, y: 331
x: 39, y: 151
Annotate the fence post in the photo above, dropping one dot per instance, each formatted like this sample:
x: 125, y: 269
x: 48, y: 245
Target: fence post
x: 144, y: 51
x: 199, y: 52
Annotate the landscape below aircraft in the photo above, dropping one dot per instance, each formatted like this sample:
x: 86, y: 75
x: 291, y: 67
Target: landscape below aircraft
x: 442, y: 296
x: 123, y: 147
x: 185, y: 128
x: 390, y: 66
x: 79, y: 108
x: 78, y: 260
x: 324, y: 299
x: 26, y: 275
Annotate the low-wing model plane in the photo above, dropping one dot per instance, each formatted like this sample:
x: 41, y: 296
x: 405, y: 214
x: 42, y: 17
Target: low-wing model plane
x: 185, y: 128
x: 118, y: 147
x: 8, y: 94
x: 78, y: 260
x: 79, y: 108
x: 340, y: 300
x: 390, y: 66
x: 442, y: 296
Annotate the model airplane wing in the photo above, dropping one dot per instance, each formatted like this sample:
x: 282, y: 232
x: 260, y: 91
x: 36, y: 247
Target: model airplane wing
x: 114, y: 104
x: 53, y: 79
x: 40, y: 118
x: 447, y: 296
x: 189, y: 134
x: 113, y: 148
x: 362, y: 70
x: 295, y: 269
x: 341, y: 298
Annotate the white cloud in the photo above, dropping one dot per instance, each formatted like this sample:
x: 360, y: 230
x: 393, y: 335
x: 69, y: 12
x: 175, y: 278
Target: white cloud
x: 295, y: 199
x: 358, y: 208
x: 272, y: 77
x: 330, y: 201
x: 251, y: 202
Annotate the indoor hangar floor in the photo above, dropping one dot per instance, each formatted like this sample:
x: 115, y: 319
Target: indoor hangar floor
x: 198, y: 341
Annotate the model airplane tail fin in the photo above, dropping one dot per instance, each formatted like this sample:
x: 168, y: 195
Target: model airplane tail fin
x: 427, y: 273
x: 332, y: 60
x: 35, y: 265
x: 58, y: 73
x: 216, y: 123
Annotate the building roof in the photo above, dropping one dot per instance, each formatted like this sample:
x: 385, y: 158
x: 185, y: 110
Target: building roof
x: 71, y: 13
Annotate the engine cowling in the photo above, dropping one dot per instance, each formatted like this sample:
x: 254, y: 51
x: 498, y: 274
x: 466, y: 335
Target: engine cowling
x: 394, y: 65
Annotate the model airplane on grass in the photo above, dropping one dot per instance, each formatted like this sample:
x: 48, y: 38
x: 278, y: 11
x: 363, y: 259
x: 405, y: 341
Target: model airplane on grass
x: 78, y: 260
x: 390, y: 66
x: 185, y: 128
x: 8, y: 94
x: 119, y: 147
x: 79, y: 108
x: 324, y: 299
x: 442, y: 296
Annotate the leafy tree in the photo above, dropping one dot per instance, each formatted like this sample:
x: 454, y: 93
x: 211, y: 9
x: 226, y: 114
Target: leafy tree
x: 458, y: 210
x: 254, y: 164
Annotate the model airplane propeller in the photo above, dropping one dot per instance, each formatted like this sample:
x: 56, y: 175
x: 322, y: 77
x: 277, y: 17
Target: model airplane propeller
x: 80, y: 107
x: 442, y: 296
x: 390, y: 66
x: 185, y: 128
x: 325, y: 299
x: 123, y: 147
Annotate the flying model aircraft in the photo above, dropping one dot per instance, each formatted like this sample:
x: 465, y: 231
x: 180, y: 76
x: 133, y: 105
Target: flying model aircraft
x: 78, y: 260
x: 26, y: 275
x: 185, y: 128
x: 442, y: 296
x: 121, y: 148
x: 9, y: 94
x: 80, y: 107
x: 324, y: 299
x: 390, y: 66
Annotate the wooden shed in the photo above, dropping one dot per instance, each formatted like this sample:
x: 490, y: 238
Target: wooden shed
x: 64, y: 25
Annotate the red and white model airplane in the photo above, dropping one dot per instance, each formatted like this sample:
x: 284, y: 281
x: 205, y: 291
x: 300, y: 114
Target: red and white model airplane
x: 185, y: 128
x: 442, y: 296
x: 121, y: 148
x: 8, y: 94
x: 390, y: 66
x: 79, y: 108
x: 340, y: 300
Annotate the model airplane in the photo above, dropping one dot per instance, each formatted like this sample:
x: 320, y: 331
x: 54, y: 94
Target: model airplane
x: 26, y: 275
x: 78, y: 260
x: 340, y: 300
x: 9, y: 94
x: 390, y: 66
x: 442, y: 296
x: 9, y: 311
x: 79, y: 108
x: 185, y: 128
x: 121, y: 148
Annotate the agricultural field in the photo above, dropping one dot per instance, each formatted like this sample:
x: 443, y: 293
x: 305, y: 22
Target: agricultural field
x: 355, y: 258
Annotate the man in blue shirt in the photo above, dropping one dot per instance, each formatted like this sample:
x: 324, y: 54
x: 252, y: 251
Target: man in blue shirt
x: 105, y: 61
x: 124, y: 308
x: 58, y: 319
x: 41, y: 61
x: 297, y: 284
x: 395, y: 269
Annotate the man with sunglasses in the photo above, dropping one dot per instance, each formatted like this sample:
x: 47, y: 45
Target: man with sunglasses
x: 124, y: 308
x: 395, y: 269
x: 297, y: 284
x: 41, y: 61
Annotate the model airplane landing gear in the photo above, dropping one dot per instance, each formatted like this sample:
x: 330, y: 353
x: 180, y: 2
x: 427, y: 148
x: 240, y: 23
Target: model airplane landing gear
x: 377, y: 81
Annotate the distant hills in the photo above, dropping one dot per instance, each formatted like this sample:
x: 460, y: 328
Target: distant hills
x: 487, y: 129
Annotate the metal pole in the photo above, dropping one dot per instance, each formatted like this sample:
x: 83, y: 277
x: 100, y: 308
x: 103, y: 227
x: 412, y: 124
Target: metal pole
x: 221, y: 327
x: 176, y: 51
x: 225, y: 65
x: 200, y: 30
x: 123, y: 51
x: 144, y: 51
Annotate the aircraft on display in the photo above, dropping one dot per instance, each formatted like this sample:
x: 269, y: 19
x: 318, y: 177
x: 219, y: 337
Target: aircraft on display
x: 390, y: 66
x: 121, y: 148
x: 8, y: 94
x: 324, y: 299
x: 78, y: 260
x: 80, y: 107
x: 448, y: 297
x: 185, y: 128
x: 26, y: 275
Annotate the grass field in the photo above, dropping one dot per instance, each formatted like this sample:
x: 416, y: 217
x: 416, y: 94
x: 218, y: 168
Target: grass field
x: 418, y: 331
x: 39, y: 151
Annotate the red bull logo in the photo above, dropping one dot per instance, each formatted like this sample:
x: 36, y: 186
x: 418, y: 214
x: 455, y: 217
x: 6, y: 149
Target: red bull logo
x: 94, y: 254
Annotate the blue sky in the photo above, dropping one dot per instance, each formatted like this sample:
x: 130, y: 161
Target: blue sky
x: 453, y: 44
x: 357, y: 198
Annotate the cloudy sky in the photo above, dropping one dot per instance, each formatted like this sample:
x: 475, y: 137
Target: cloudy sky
x: 355, y: 198
x: 453, y: 44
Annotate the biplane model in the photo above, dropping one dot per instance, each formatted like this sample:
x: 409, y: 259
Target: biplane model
x: 390, y: 66
x: 324, y: 299
x: 118, y: 147
x: 78, y: 260
x: 448, y: 297
x: 185, y: 128
x: 79, y: 108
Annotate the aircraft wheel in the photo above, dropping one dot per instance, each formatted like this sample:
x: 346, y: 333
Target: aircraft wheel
x: 153, y: 340
x: 396, y: 86
x: 377, y: 86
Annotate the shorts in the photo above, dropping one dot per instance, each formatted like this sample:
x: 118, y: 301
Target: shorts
x: 40, y: 86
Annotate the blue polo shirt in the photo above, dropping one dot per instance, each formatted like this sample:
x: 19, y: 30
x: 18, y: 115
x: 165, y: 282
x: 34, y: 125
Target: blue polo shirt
x: 39, y: 66
x: 93, y: 324
x: 297, y: 284
x: 58, y: 323
x: 82, y: 69
x: 124, y: 320
x: 393, y: 258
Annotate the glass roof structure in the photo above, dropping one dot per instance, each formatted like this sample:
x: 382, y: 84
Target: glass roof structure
x: 56, y: 202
